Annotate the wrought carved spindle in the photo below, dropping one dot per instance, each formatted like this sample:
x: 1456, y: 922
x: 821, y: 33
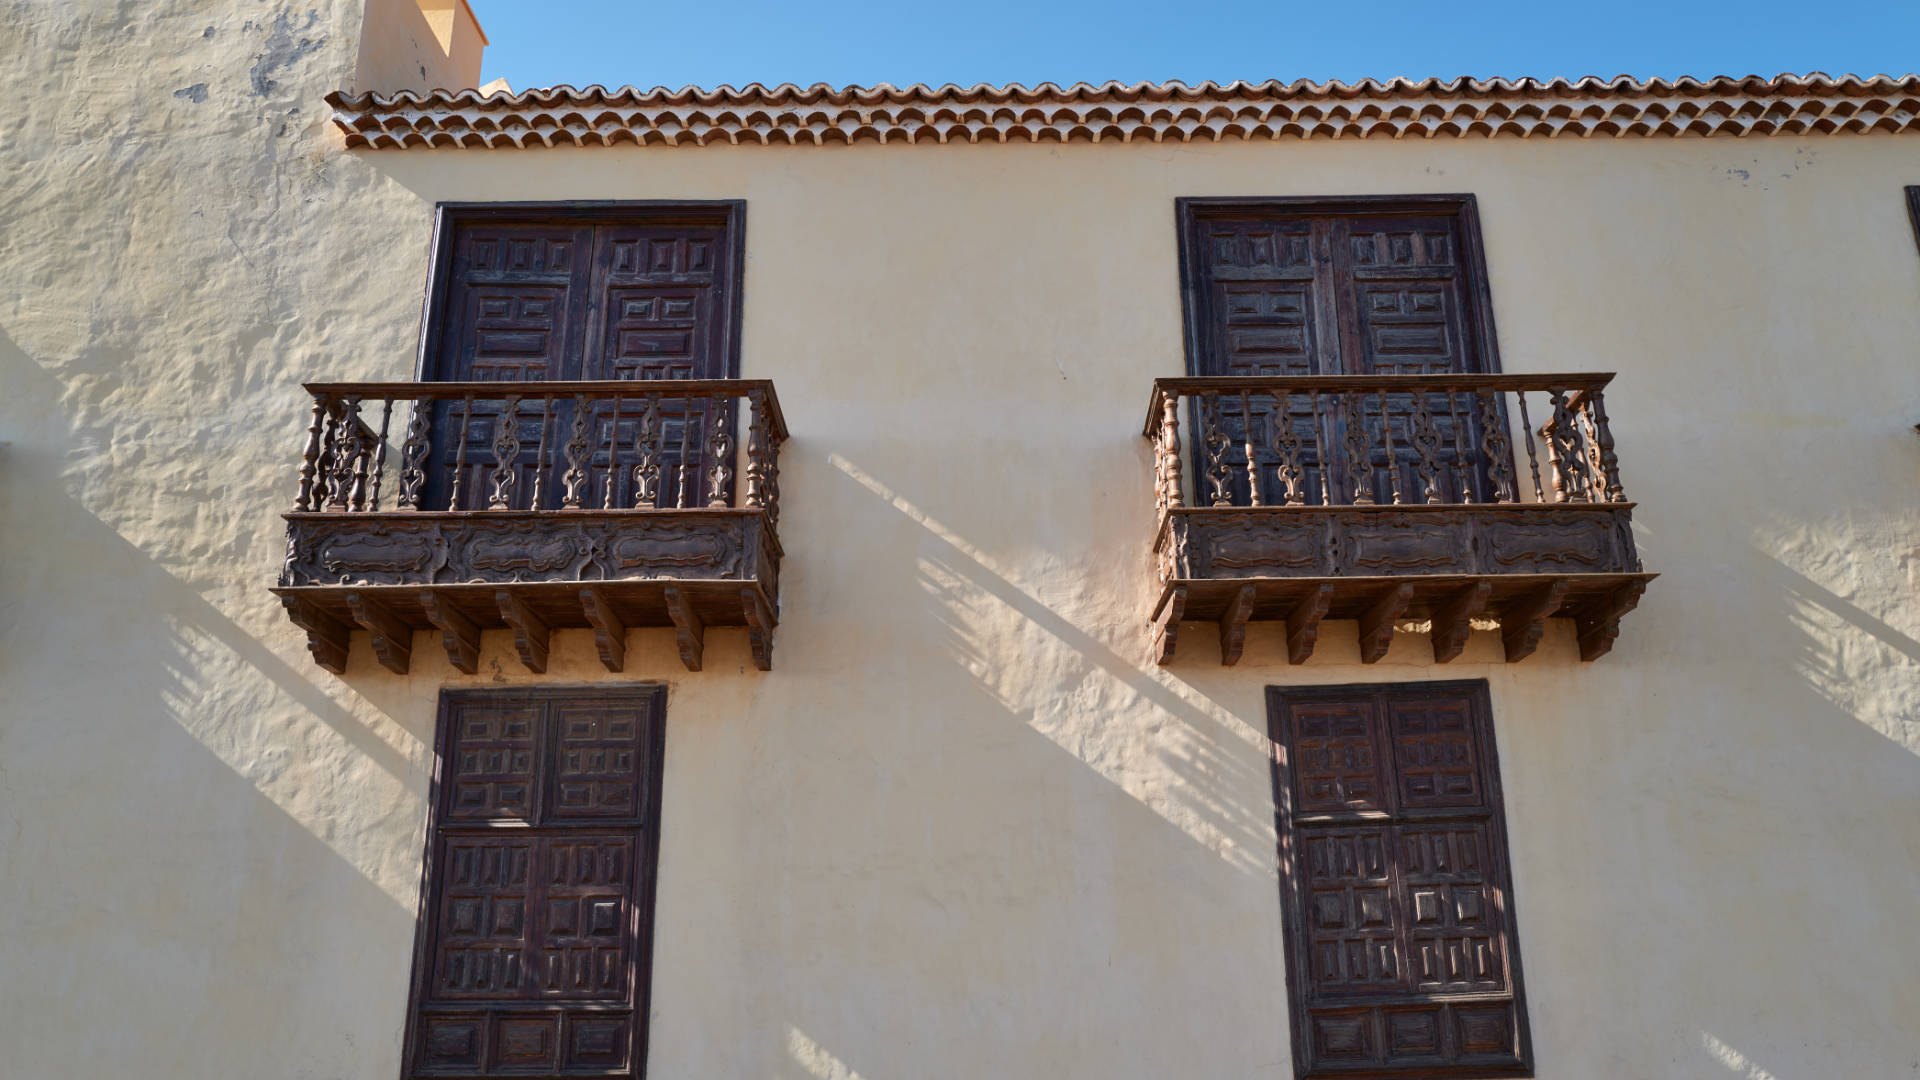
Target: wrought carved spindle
x: 506, y: 454
x: 1603, y: 438
x: 1462, y: 469
x: 1426, y: 448
x: 380, y: 454
x: 1170, y: 450
x: 1493, y: 443
x: 413, y: 455
x: 1246, y: 439
x: 542, y: 457
x: 773, y: 483
x: 1285, y: 442
x: 458, y: 488
x: 613, y: 455
x: 346, y: 451
x: 646, y: 475
x: 1590, y: 448
x: 577, y: 474
x: 1564, y: 451
x: 1359, y: 448
x: 310, y: 457
x: 720, y: 454
x: 1215, y: 441
x: 1320, y: 449
x: 1533, y: 459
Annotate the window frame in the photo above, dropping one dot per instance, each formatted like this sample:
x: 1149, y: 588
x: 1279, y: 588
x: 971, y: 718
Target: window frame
x: 729, y: 214
x: 647, y: 697
x: 1296, y: 935
x: 1190, y: 210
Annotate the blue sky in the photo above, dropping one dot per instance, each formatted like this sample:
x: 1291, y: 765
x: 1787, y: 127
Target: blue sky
x: 838, y: 41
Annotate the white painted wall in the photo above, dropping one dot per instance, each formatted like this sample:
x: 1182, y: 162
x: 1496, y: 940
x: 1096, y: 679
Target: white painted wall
x: 964, y: 829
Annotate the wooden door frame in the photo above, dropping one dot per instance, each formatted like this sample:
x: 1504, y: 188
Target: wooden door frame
x: 1189, y: 210
x: 651, y: 696
x: 729, y: 214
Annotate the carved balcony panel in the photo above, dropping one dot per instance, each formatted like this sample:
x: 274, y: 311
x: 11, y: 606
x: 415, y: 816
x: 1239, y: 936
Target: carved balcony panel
x: 1385, y: 499
x: 535, y: 507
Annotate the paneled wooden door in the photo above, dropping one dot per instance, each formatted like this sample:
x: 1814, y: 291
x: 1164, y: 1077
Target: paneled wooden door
x: 533, y: 953
x: 532, y: 294
x: 1386, y: 286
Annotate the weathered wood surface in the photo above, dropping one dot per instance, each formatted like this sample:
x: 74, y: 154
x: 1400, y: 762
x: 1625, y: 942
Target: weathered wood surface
x: 580, y: 504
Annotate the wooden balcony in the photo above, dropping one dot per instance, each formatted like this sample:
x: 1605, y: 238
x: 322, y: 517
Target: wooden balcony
x: 535, y: 506
x: 1387, y: 499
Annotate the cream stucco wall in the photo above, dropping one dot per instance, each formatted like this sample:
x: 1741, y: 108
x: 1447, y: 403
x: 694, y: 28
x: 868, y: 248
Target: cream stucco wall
x: 964, y: 828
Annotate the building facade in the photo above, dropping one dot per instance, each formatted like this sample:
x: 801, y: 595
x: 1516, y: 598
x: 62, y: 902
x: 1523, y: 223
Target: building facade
x: 917, y: 680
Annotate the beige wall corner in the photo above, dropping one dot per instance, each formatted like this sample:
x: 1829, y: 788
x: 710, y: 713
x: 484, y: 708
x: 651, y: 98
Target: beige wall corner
x: 419, y: 45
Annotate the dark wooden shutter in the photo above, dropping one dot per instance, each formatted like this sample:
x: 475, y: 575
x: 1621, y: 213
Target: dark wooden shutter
x: 1398, y: 906
x: 536, y: 294
x: 537, y: 908
x: 1336, y: 287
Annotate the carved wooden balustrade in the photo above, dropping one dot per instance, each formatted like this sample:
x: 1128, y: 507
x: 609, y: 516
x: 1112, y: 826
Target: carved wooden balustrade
x: 1388, y: 498
x: 534, y: 506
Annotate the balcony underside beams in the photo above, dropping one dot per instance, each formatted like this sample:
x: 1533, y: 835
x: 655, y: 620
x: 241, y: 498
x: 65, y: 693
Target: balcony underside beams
x: 532, y: 610
x: 1520, y: 603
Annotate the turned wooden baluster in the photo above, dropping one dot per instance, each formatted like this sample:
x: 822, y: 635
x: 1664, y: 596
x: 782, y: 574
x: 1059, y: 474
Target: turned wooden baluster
x: 506, y: 454
x: 1215, y: 442
x: 720, y: 454
x: 380, y: 454
x: 1320, y: 450
x: 310, y: 459
x: 1393, y: 456
x: 1426, y: 447
x: 1159, y: 464
x: 683, y: 488
x: 1285, y: 442
x: 1603, y: 438
x: 577, y: 476
x: 413, y: 456
x: 542, y: 457
x: 1359, y: 448
x: 608, y: 500
x: 458, y: 487
x: 1533, y: 459
x: 1563, y: 451
x: 646, y: 475
x: 1493, y: 443
x: 346, y: 451
x: 758, y: 449
x: 362, y: 455
x: 1462, y: 468
x: 1170, y: 496
x: 1246, y: 440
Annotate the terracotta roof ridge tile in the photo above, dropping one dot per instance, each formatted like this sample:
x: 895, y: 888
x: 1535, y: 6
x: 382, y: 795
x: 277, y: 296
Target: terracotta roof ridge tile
x: 1155, y: 111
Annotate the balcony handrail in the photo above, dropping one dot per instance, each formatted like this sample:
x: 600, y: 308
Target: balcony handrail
x: 598, y: 389
x: 1379, y: 440
x: 584, y: 445
x: 1581, y: 383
